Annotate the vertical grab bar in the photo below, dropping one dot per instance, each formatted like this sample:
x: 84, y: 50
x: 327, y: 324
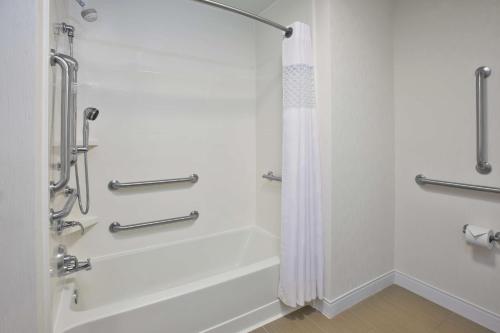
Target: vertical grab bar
x: 482, y: 166
x: 65, y: 122
x: 73, y: 71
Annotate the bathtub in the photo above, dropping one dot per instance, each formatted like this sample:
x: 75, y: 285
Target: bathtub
x: 221, y: 283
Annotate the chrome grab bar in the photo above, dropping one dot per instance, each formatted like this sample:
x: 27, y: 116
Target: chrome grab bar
x: 65, y: 122
x: 69, y: 68
x: 73, y: 76
x: 271, y: 176
x: 116, y: 227
x: 66, y: 210
x: 482, y: 166
x: 422, y: 180
x: 116, y: 185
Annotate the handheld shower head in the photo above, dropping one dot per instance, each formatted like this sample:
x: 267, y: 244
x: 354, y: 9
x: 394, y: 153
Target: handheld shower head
x: 91, y: 113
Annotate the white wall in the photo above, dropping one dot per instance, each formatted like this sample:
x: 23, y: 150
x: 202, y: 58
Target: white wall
x: 353, y: 44
x: 438, y: 46
x: 362, y: 230
x: 175, y: 83
x: 270, y: 106
x: 23, y: 191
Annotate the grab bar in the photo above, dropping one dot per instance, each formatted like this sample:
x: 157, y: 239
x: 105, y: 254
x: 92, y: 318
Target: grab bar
x: 73, y: 75
x: 422, y: 180
x: 68, y: 206
x: 271, y: 176
x: 116, y: 185
x: 482, y: 166
x: 65, y: 123
x: 116, y: 227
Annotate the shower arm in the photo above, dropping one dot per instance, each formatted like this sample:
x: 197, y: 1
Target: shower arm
x: 81, y: 3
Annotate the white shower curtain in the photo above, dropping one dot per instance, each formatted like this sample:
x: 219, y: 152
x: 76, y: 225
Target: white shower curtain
x: 301, y: 269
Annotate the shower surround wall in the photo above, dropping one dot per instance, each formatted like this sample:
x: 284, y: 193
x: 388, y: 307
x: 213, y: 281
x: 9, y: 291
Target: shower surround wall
x: 175, y: 83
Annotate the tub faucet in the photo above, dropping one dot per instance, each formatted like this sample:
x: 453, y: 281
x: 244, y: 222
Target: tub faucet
x: 66, y: 264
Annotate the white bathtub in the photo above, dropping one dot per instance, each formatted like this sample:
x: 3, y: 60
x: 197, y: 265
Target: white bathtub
x: 221, y: 283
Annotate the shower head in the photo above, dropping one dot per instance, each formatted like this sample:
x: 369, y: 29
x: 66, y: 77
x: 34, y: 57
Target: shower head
x: 89, y: 14
x: 91, y: 114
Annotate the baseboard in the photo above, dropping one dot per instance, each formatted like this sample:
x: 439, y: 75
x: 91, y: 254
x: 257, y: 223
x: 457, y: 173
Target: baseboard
x: 331, y: 308
x: 473, y: 312
x: 253, y: 319
x: 453, y: 303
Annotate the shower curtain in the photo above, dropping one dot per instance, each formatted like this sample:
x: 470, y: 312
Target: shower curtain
x: 302, y: 261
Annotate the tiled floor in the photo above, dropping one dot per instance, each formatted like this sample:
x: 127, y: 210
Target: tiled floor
x: 393, y: 310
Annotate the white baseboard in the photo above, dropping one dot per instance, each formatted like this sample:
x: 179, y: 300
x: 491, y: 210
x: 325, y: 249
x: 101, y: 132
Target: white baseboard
x: 453, y: 303
x: 475, y: 313
x: 331, y: 308
x: 253, y: 319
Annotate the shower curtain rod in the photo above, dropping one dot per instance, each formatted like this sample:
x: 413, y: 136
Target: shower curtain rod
x: 288, y: 31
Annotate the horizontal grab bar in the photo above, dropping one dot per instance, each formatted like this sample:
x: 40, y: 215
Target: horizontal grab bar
x: 116, y: 185
x: 271, y: 176
x: 116, y: 227
x: 422, y: 180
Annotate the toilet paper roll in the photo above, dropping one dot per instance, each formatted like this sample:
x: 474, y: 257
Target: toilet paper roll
x: 479, y: 236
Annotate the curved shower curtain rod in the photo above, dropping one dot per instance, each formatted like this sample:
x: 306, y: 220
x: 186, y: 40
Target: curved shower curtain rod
x: 288, y: 31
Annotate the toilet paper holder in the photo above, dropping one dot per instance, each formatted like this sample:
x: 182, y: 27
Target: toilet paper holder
x: 494, y: 237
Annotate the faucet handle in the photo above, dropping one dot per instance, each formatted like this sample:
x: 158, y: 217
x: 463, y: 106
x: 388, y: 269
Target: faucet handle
x: 69, y: 262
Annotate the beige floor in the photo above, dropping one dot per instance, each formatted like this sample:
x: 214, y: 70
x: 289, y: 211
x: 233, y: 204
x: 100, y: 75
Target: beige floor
x: 393, y: 310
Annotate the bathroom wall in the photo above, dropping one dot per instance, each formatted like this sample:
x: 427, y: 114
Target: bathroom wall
x: 270, y: 106
x: 175, y: 84
x: 362, y: 205
x: 438, y: 46
x: 353, y: 46
x: 23, y: 146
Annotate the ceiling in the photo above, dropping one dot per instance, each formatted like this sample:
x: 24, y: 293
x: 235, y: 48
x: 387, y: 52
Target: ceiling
x: 255, y: 6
